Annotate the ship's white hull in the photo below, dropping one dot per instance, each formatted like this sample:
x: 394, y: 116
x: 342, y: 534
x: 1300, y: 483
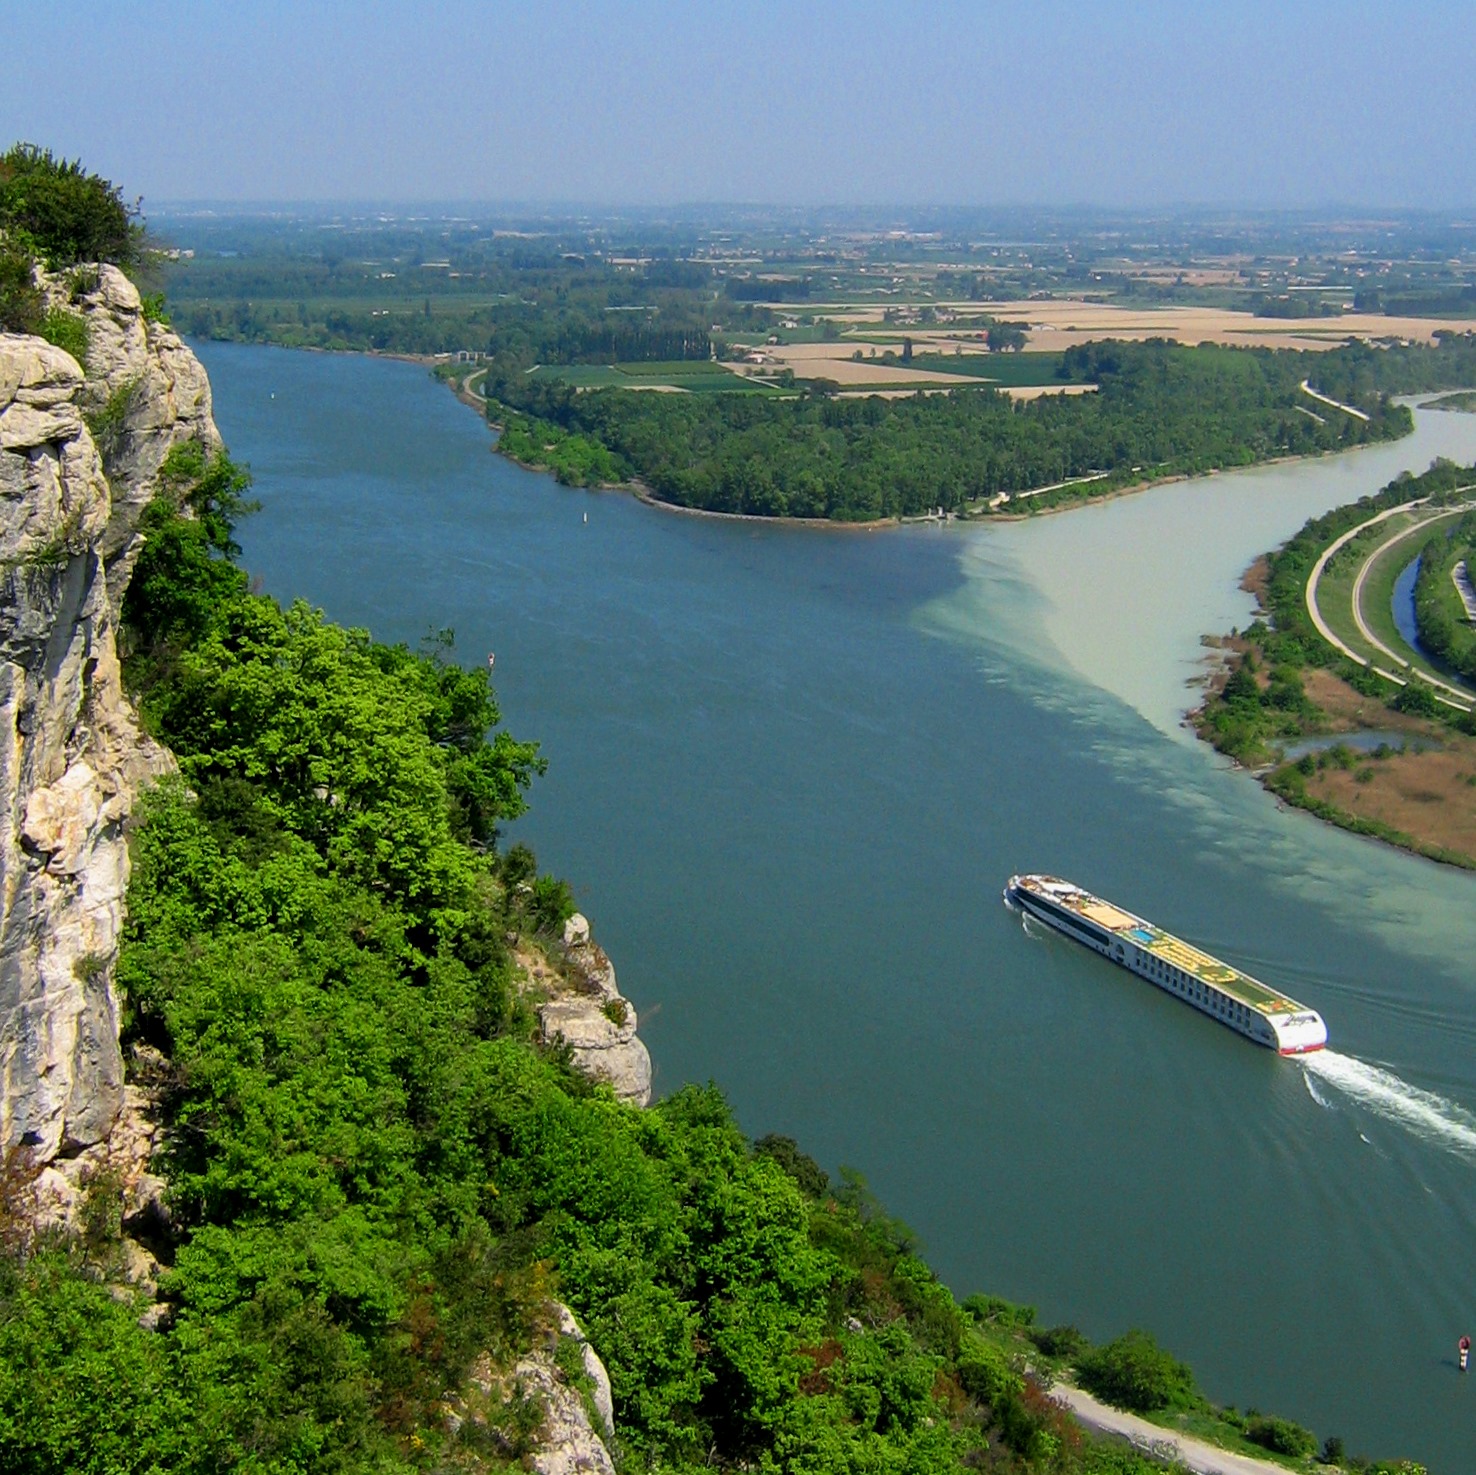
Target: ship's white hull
x: 1301, y: 1034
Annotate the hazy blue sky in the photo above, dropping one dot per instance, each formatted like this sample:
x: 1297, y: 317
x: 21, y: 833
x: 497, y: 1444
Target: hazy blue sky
x: 1113, y: 102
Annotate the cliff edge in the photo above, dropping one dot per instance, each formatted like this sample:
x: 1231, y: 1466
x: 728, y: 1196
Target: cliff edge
x: 80, y: 453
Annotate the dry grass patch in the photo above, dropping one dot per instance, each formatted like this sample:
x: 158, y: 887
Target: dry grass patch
x: 1350, y: 711
x: 1429, y: 796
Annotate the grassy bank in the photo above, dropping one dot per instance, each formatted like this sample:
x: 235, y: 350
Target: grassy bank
x: 1285, y: 687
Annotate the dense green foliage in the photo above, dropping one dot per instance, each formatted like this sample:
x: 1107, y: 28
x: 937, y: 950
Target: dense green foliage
x: 1359, y: 370
x: 66, y: 330
x: 1440, y: 616
x: 21, y: 303
x: 575, y: 460
x: 1161, y: 409
x: 63, y: 214
x: 1134, y: 1372
x: 54, y: 213
x: 1281, y: 1436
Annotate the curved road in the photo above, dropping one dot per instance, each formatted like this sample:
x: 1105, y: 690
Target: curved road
x: 1373, y: 639
x: 1463, y: 699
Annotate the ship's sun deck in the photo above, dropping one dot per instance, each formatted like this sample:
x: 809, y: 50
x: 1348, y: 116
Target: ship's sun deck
x: 1173, y: 950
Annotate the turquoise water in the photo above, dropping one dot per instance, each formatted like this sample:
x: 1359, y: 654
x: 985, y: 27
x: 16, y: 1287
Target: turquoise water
x: 791, y: 769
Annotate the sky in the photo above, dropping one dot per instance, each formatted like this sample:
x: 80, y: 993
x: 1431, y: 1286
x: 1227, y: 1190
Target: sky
x: 1120, y: 103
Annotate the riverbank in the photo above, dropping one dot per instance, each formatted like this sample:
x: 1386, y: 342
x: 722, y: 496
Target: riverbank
x: 1387, y: 751
x: 1357, y: 763
x: 994, y: 510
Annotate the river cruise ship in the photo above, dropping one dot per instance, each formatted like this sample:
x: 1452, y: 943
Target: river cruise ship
x: 1237, y: 1000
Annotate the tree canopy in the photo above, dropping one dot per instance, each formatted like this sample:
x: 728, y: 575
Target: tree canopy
x: 1159, y: 409
x: 63, y: 213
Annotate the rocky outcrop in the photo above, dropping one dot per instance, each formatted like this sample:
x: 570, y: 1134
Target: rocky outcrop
x: 145, y: 389
x: 72, y: 758
x: 586, y: 1010
x: 577, y: 1416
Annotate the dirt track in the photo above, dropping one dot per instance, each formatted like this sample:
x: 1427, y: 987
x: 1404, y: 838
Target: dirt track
x: 1193, y: 1454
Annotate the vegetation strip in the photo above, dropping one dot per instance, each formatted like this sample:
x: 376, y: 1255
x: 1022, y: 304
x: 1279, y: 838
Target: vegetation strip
x: 1413, y: 792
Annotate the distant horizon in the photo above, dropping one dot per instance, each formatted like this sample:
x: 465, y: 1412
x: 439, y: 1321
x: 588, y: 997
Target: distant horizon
x: 1122, y: 105
x: 1336, y: 210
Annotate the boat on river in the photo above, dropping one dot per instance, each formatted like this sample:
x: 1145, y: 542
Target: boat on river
x: 1237, y: 1000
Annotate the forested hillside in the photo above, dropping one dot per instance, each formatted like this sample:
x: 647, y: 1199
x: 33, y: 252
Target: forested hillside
x: 376, y: 1177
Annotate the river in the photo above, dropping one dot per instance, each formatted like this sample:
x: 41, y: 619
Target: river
x: 790, y: 770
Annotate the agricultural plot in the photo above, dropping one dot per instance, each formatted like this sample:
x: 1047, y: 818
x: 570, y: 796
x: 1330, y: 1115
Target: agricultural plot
x: 1007, y: 370
x: 695, y: 376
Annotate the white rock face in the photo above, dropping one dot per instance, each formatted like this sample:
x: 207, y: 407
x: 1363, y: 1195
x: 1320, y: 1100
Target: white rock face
x: 164, y: 388
x: 592, y: 1018
x: 570, y: 1442
x: 605, y: 1048
x: 71, y: 756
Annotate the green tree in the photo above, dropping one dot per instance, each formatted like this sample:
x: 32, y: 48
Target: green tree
x: 62, y: 212
x: 1135, y: 1373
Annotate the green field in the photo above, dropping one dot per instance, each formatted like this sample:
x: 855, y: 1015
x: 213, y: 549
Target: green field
x: 1335, y: 602
x: 1378, y: 594
x: 1009, y: 370
x: 696, y: 376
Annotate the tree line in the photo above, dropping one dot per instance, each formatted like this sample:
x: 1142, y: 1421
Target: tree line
x: 1160, y: 409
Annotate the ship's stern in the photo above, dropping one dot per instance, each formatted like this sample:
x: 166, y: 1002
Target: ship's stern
x: 1300, y: 1034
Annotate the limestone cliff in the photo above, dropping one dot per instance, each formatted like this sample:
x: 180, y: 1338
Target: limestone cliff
x: 577, y: 1415
x: 584, y: 1008
x: 72, y: 758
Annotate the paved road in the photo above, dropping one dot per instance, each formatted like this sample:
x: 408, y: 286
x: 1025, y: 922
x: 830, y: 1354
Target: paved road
x: 1373, y: 639
x: 1336, y: 404
x: 1323, y: 629
x: 1456, y: 697
x: 1462, y: 699
x: 1149, y: 1439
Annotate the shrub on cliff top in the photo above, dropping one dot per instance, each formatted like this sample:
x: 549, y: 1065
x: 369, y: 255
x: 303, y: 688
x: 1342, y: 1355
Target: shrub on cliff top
x: 1281, y: 1436
x: 62, y: 213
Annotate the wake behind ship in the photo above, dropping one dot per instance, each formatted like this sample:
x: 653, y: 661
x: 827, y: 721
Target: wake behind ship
x: 1237, y: 1000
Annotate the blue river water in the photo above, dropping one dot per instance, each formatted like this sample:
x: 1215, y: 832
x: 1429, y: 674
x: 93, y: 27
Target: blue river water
x: 1404, y: 605
x: 791, y: 769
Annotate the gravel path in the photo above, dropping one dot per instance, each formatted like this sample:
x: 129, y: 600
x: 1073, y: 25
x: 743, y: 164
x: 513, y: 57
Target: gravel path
x: 1149, y: 1439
